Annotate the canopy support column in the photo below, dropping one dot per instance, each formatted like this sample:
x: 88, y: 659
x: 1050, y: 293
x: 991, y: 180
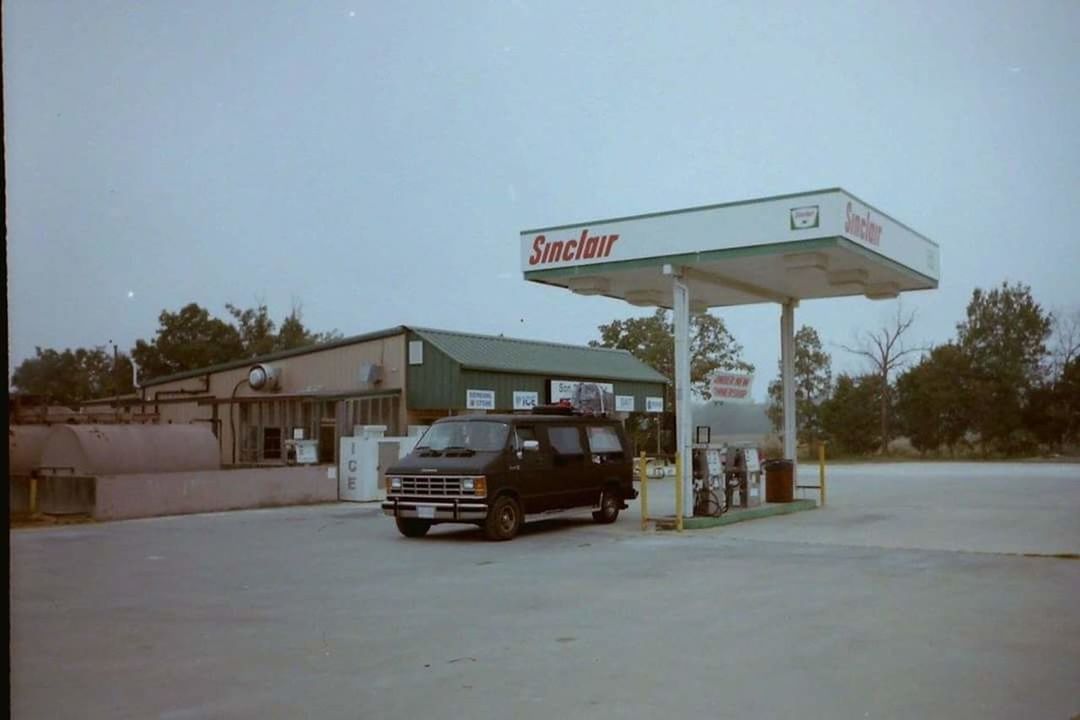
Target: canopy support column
x: 681, y: 310
x: 787, y: 375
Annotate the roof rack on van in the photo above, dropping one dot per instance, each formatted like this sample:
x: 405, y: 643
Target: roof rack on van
x: 560, y: 408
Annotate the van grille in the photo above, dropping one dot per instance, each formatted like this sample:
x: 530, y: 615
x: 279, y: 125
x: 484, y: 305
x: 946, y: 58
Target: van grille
x: 432, y: 486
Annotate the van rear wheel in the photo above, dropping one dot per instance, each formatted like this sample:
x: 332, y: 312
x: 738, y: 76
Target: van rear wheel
x: 413, y: 528
x: 504, y: 519
x: 610, y: 502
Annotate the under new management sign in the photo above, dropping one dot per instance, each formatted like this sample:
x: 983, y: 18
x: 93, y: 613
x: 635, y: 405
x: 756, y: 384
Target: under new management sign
x: 786, y: 218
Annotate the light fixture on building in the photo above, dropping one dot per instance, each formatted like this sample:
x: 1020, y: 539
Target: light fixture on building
x: 264, y: 377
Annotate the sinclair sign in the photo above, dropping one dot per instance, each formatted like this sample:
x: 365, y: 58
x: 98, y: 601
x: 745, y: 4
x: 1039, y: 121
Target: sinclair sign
x: 776, y: 222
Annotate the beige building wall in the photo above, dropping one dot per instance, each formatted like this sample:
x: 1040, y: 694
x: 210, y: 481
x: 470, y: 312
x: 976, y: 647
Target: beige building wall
x: 335, y: 372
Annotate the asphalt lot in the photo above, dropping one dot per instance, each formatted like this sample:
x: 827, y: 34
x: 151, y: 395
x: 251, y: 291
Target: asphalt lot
x: 878, y: 606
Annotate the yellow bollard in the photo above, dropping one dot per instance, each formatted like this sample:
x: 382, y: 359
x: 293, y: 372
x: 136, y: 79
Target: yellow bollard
x: 644, y: 475
x: 821, y: 471
x: 678, y: 492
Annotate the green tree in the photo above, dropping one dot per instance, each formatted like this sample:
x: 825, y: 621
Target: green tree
x: 1004, y: 338
x: 931, y: 399
x: 294, y: 334
x: 813, y: 383
x: 188, y: 339
x: 73, y: 376
x: 850, y: 417
x: 256, y: 329
x: 651, y: 339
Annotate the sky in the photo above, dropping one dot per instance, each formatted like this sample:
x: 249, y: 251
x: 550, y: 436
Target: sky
x: 375, y: 162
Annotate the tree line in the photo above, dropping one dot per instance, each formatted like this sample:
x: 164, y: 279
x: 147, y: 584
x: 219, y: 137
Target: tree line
x: 1007, y: 384
x: 185, y: 339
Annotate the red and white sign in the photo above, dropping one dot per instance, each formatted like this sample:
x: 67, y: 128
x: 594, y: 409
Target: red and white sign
x: 583, y: 247
x: 731, y: 387
x: 664, y: 237
x: 860, y: 223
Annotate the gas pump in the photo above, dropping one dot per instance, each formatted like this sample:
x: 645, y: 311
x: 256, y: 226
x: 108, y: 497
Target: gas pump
x: 710, y: 498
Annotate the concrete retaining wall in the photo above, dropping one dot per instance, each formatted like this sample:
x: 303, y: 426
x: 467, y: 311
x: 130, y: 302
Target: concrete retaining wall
x: 150, y: 495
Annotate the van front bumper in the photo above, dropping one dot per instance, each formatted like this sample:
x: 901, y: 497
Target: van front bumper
x: 442, y: 509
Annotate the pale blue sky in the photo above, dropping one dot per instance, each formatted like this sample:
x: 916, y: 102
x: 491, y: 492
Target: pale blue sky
x: 377, y: 160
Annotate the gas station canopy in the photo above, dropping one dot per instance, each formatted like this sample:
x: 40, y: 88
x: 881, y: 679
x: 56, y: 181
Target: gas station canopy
x: 782, y: 249
x: 819, y: 244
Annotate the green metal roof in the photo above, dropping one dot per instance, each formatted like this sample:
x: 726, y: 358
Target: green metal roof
x: 503, y: 354
x: 479, y: 352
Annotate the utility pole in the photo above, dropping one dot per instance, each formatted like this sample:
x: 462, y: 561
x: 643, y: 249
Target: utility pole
x: 115, y: 367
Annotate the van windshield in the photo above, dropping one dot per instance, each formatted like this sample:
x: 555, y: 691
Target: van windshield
x: 478, y: 436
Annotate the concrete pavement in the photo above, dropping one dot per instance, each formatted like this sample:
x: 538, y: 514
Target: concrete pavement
x: 325, y: 612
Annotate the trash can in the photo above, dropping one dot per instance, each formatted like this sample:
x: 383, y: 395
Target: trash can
x: 779, y: 481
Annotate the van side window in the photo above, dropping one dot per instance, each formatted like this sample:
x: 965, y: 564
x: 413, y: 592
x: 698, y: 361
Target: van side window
x: 604, y: 443
x: 566, y: 442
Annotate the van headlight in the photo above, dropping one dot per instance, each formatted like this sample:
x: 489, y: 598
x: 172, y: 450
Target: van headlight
x: 475, y: 485
x: 395, y: 483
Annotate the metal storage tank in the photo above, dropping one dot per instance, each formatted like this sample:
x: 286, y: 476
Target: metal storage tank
x: 93, y: 450
x: 75, y: 455
x: 25, y: 443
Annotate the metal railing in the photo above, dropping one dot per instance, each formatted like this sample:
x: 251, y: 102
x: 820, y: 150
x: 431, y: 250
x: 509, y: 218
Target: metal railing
x: 820, y: 487
x: 643, y: 475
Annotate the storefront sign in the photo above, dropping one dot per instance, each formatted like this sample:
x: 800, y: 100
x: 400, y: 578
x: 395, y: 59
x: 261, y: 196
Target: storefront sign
x: 524, y: 400
x: 624, y: 403
x: 584, y: 395
x: 480, y: 399
x: 654, y: 404
x: 731, y: 387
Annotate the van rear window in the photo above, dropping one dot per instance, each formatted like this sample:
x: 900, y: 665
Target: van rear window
x: 604, y: 440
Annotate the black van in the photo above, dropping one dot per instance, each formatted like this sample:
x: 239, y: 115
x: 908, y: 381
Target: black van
x: 494, y: 470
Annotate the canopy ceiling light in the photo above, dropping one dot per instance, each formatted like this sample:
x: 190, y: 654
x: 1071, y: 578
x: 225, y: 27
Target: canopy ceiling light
x: 590, y: 286
x: 645, y: 298
x: 853, y: 277
x: 882, y: 291
x: 806, y: 261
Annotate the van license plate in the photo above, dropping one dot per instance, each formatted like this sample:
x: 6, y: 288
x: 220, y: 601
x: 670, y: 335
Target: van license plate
x: 425, y: 511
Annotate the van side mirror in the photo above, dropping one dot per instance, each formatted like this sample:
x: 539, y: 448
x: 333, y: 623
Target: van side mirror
x: 530, y: 445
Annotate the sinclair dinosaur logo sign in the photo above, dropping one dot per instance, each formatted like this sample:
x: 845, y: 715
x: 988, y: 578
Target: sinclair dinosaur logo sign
x: 805, y: 217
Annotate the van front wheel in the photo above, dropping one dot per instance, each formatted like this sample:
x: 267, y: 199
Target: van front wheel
x: 504, y: 519
x: 610, y: 502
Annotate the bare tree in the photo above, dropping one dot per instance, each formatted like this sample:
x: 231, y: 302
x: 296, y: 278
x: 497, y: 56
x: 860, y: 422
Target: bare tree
x: 1065, y: 343
x: 887, y: 352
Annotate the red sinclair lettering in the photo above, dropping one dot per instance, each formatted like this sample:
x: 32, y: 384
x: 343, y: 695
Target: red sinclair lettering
x: 546, y: 251
x: 862, y: 227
